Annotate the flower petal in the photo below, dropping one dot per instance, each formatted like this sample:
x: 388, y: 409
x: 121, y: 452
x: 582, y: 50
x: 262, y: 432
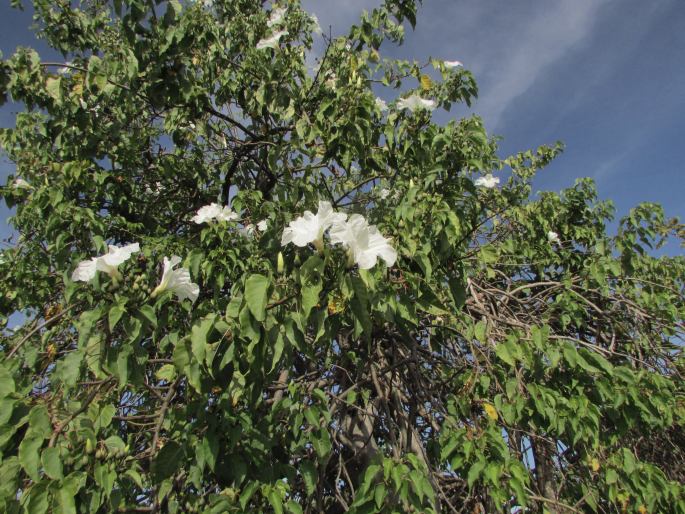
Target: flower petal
x: 85, y: 271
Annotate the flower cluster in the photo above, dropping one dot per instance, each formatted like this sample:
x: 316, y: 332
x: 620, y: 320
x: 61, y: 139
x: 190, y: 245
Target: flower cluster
x: 175, y: 280
x: 363, y: 241
x: 215, y: 212
x: 212, y: 212
x: 488, y: 181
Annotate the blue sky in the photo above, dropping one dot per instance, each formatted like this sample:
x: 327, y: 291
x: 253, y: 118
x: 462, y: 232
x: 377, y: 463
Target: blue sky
x: 606, y: 77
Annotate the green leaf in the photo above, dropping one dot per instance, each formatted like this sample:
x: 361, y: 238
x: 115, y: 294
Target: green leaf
x: 310, y: 279
x: 256, y: 295
x: 67, y: 493
x: 309, y: 476
x: 114, y: 443
x: 167, y: 460
x: 53, y: 88
x: 6, y: 382
x: 369, y: 476
x: 199, y: 337
x: 379, y: 494
x: 29, y: 455
x: 458, y: 292
x: 293, y: 507
x: 474, y: 472
x: 276, y: 501
x: 148, y: 313
x: 505, y: 352
x: 247, y: 493
x: 52, y: 463
x: 278, y: 351
x: 167, y: 373
x: 360, y: 307
x: 38, y: 499
x: 39, y: 421
x: 115, y: 313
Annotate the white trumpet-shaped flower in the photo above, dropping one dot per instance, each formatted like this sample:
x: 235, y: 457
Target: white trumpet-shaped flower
x: 553, y: 237
x: 384, y: 193
x: 363, y: 241
x: 381, y: 105
x: 310, y: 227
x: 415, y: 102
x: 452, y: 64
x: 273, y: 41
x: 263, y: 225
x: 276, y: 17
x: 177, y: 281
x: 488, y: 181
x: 212, y: 212
x: 109, y: 263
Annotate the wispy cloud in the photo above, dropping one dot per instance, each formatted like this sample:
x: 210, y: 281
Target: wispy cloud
x: 508, y: 47
x: 533, y: 44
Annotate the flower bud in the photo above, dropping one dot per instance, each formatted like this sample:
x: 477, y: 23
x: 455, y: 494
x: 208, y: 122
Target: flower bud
x: 279, y: 263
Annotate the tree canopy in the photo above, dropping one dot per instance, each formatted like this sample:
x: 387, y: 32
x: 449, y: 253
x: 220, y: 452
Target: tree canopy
x: 249, y: 284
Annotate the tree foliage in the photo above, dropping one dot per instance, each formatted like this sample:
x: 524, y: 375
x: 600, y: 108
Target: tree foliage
x: 516, y: 354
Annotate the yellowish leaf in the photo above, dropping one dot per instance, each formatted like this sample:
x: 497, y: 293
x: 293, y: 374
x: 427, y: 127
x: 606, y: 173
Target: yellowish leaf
x: 595, y: 464
x: 490, y: 411
x: 426, y: 82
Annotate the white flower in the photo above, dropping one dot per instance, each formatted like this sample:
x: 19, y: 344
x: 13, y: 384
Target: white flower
x: 20, y: 183
x: 309, y: 227
x: 363, y: 241
x: 263, y: 225
x: 452, y: 64
x: 381, y: 105
x: 315, y: 23
x: 487, y: 181
x: 384, y: 193
x: 207, y: 213
x: 414, y: 102
x: 86, y: 270
x: 273, y: 41
x: 276, y: 17
x: 177, y: 281
x: 214, y: 211
x: 553, y: 237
